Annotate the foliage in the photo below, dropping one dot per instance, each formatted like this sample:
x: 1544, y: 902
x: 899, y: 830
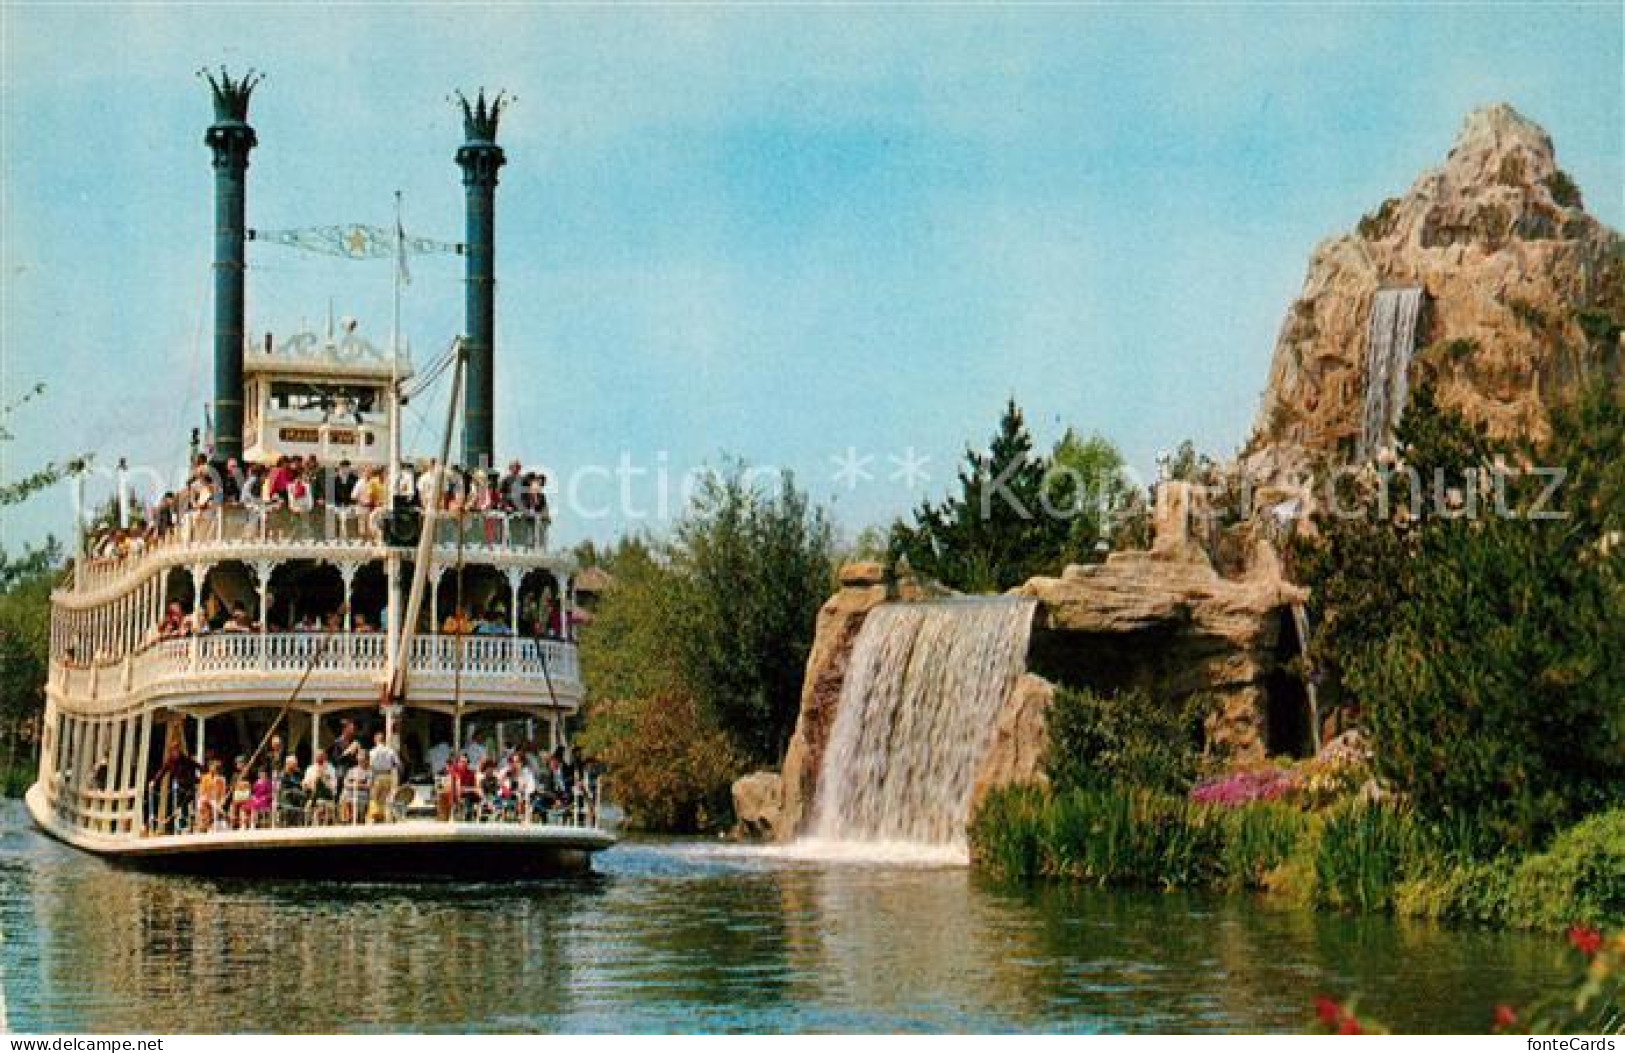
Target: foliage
x: 721, y: 618
x: 1086, y: 484
x: 1017, y: 513
x: 1361, y: 854
x: 1100, y: 740
x: 17, y: 491
x: 664, y: 757
x: 756, y: 566
x: 994, y: 533
x: 1485, y: 650
x: 1356, y: 856
x: 25, y: 620
x: 1187, y: 464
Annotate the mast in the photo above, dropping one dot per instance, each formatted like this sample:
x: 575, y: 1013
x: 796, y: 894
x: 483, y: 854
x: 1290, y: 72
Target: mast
x: 400, y: 655
x: 401, y: 277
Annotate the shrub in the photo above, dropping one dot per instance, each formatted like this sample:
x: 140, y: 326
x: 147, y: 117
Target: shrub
x: 669, y: 766
x: 1102, y: 740
x: 1580, y: 879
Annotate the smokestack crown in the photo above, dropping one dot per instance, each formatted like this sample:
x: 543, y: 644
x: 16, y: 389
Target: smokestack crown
x: 480, y: 117
x: 231, y: 96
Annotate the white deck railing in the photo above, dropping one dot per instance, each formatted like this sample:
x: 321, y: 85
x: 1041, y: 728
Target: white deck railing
x: 358, y: 654
x: 238, y: 525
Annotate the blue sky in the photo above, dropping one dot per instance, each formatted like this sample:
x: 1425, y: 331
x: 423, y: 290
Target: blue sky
x: 778, y: 232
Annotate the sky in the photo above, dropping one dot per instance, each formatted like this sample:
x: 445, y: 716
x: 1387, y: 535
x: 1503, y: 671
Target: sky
x: 815, y: 237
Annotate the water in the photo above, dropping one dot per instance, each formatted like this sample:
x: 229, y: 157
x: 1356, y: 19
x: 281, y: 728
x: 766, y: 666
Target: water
x: 682, y: 936
x: 921, y: 694
x: 1390, y: 342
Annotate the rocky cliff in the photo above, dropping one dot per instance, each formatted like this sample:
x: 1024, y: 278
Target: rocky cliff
x: 1524, y: 294
x: 863, y: 588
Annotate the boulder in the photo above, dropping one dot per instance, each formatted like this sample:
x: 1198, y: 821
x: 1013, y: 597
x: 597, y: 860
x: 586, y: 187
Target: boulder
x: 1172, y: 628
x: 1525, y: 294
x: 1020, y: 737
x: 758, y: 800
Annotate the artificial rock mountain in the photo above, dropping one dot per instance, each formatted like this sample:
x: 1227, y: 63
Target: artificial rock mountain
x: 1525, y: 295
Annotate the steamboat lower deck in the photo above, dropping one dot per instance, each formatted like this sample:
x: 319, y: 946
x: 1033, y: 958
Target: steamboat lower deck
x: 411, y: 849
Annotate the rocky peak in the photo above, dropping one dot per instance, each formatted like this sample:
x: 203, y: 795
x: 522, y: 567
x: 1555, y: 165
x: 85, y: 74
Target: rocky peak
x: 1524, y: 295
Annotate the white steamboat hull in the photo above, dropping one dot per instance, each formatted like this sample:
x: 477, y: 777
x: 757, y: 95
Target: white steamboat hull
x: 407, y: 850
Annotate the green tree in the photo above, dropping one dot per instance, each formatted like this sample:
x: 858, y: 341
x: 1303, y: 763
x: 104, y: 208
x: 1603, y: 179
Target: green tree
x: 1087, y: 486
x: 1485, y: 650
x: 999, y: 529
x: 25, y: 620
x: 718, y: 622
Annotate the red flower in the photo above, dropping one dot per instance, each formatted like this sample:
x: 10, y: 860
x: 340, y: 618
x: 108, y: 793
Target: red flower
x: 1587, y: 941
x: 1505, y: 1016
x: 1350, y: 1026
x: 1327, y: 1010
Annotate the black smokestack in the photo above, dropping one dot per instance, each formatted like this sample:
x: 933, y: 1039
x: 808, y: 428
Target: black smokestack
x: 479, y: 158
x: 231, y: 138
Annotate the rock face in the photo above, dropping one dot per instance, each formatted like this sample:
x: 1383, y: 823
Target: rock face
x: 863, y: 587
x: 1016, y: 754
x: 758, y: 802
x: 1170, y: 626
x: 1524, y: 295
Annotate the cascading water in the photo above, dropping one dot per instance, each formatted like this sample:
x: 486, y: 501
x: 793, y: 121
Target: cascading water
x: 1390, y: 342
x: 923, y: 689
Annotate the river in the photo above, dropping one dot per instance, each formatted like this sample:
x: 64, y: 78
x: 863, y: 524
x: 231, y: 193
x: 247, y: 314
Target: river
x: 694, y: 936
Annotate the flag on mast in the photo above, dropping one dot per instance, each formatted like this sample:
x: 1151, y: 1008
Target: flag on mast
x: 402, y: 271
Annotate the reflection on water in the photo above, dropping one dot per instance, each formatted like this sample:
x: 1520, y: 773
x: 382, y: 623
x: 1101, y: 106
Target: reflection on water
x: 684, y: 936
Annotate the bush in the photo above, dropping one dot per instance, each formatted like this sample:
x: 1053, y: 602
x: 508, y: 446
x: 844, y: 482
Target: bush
x: 1579, y: 880
x: 669, y: 766
x: 1097, y: 741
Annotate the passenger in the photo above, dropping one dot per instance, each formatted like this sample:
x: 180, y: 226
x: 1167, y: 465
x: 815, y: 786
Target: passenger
x: 239, y: 622
x: 321, y: 784
x: 357, y: 791
x: 361, y: 624
x: 386, y: 767
x: 476, y: 749
x: 510, y: 490
x: 439, y: 755
x: 182, y: 773
x: 342, y: 485
x: 173, y: 623
x: 461, y: 786
x: 251, y: 802
x: 457, y: 624
x: 211, y: 798
x: 290, y: 790
x: 231, y: 482
x: 344, y: 751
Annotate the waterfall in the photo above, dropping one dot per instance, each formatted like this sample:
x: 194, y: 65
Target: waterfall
x: 923, y: 689
x: 1390, y: 342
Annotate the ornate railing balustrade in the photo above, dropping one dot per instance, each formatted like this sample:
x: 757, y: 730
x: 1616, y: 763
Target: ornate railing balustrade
x: 184, y: 659
x: 239, y: 525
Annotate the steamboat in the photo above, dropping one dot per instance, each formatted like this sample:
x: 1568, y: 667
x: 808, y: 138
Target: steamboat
x: 321, y: 657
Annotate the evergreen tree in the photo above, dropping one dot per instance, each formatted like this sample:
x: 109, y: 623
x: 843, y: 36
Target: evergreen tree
x: 1000, y: 529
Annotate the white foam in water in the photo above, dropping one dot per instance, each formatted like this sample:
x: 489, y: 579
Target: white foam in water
x: 1390, y: 343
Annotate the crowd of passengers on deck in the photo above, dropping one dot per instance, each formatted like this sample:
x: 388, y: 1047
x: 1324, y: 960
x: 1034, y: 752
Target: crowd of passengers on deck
x: 351, y: 783
x: 303, y: 486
